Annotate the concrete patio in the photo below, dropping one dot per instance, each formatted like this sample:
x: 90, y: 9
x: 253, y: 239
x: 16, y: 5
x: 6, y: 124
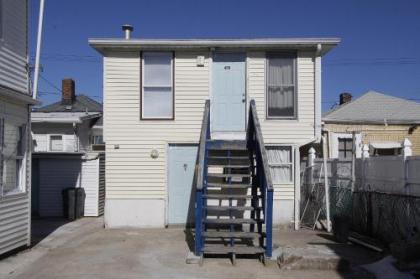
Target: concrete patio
x: 83, y: 249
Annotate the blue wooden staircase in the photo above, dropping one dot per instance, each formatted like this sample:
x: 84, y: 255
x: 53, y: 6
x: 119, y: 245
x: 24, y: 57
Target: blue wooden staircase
x: 234, y: 194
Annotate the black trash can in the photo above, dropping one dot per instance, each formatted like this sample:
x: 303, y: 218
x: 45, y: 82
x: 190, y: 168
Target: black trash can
x: 341, y: 228
x: 69, y: 203
x: 80, y: 202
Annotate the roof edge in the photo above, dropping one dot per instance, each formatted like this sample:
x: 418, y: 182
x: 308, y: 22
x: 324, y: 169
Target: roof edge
x: 100, y: 44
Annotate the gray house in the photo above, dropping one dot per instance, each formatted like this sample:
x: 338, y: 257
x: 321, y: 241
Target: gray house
x: 68, y: 151
x: 15, y: 107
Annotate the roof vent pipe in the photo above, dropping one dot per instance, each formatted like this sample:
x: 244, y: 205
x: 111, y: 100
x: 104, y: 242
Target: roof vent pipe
x: 127, y: 28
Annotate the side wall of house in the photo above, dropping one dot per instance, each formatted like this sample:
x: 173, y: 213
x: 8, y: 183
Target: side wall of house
x: 395, y: 133
x: 15, y: 209
x: 13, y: 46
x: 136, y: 184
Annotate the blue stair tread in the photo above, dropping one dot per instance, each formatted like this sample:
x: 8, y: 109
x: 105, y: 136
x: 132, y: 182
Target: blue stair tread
x: 231, y: 157
x: 226, y: 234
x: 226, y: 145
x: 225, y: 208
x: 227, y: 196
x: 230, y: 221
x: 242, y: 166
x: 230, y: 185
x: 221, y: 249
x: 227, y: 175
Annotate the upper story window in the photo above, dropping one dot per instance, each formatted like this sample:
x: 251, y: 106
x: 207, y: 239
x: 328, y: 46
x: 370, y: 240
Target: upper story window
x: 281, y: 85
x: 1, y: 19
x: 56, y: 143
x: 157, y: 86
x: 12, y: 158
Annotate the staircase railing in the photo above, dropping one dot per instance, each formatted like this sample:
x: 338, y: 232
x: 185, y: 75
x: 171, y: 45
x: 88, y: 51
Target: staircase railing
x: 255, y: 144
x: 201, y: 176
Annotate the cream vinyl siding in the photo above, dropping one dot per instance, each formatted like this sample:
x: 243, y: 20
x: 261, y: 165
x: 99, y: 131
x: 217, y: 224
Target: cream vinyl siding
x: 131, y: 172
x: 15, y: 209
x: 13, y: 46
x: 293, y: 132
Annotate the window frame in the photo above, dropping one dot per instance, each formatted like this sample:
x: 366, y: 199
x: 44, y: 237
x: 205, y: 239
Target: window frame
x: 346, y: 150
x: 21, y: 178
x: 1, y: 21
x: 291, y: 164
x: 172, y: 67
x: 286, y: 54
x: 49, y: 142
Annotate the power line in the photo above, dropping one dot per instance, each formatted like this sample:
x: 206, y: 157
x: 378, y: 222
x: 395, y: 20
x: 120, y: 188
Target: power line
x: 50, y: 83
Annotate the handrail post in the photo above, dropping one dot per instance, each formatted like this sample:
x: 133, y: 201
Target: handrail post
x: 269, y: 224
x: 198, y: 222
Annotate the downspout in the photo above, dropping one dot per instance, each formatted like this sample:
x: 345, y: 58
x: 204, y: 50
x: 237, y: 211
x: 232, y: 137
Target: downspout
x: 317, y: 112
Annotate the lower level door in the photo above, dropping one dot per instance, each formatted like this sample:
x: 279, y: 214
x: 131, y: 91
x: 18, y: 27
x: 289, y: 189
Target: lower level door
x: 181, y: 165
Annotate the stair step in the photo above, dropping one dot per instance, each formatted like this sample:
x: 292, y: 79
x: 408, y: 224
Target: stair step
x: 226, y: 145
x: 236, y: 221
x: 230, y: 186
x: 228, y: 175
x: 230, y: 166
x: 224, y: 196
x: 225, y: 208
x: 219, y: 234
x: 231, y: 157
x: 221, y: 249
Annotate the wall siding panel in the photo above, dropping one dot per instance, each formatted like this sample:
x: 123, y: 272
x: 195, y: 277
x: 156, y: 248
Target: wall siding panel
x: 131, y: 172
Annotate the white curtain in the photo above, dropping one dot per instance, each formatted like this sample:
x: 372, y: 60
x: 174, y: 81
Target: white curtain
x: 281, y: 86
x: 280, y: 161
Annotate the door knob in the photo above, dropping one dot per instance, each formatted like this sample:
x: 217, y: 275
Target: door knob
x: 185, y: 167
x: 243, y: 100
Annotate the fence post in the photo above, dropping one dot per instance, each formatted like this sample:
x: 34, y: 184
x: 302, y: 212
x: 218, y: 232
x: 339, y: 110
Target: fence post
x: 407, y: 148
x: 311, y: 164
x: 406, y: 152
x: 365, y: 153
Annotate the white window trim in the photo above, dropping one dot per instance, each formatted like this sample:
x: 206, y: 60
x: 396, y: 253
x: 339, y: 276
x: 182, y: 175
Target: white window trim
x: 295, y: 115
x: 156, y: 86
x: 334, y: 143
x: 49, y: 142
x: 22, y: 186
x: 292, y: 163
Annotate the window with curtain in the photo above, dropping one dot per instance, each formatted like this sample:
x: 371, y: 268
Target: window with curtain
x: 281, y: 85
x: 280, y: 160
x: 12, y: 158
x: 157, y: 91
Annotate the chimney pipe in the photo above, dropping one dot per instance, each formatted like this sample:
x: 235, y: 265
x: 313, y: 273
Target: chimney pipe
x: 345, y: 98
x: 127, y: 28
x: 68, y: 89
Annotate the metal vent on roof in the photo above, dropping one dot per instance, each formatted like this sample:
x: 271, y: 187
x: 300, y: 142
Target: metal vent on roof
x: 68, y: 107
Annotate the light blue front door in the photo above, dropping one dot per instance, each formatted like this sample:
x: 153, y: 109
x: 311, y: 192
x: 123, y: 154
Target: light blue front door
x: 181, y: 174
x: 228, y: 92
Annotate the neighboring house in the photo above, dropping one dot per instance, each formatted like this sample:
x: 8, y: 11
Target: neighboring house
x: 154, y: 98
x: 380, y: 121
x: 15, y: 107
x: 67, y: 136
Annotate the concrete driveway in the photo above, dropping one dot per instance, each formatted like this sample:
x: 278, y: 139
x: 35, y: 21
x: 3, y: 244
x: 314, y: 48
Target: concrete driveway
x: 83, y: 249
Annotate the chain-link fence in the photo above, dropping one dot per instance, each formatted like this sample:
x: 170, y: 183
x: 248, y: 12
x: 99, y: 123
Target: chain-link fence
x: 388, y: 217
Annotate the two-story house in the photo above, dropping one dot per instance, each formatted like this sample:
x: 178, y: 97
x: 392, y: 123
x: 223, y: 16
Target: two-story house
x: 15, y: 107
x: 67, y: 148
x: 189, y: 123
